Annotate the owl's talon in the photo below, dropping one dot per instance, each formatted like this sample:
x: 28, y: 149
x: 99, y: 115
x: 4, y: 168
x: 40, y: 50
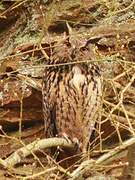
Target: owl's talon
x: 66, y: 137
x: 74, y: 141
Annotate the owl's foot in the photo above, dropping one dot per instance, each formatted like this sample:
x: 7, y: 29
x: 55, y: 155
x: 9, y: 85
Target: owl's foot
x: 75, y: 141
x: 65, y: 136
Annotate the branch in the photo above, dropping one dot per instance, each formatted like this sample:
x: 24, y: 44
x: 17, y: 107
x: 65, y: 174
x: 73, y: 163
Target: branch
x: 37, y: 145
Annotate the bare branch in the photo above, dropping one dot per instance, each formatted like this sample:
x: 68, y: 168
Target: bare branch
x: 37, y: 145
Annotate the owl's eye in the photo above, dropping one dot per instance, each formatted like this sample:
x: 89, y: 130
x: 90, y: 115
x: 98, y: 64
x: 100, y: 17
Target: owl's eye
x: 84, y: 48
x: 68, y: 43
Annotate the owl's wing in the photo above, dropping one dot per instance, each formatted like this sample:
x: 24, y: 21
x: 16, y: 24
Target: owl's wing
x: 48, y: 109
x: 92, y: 101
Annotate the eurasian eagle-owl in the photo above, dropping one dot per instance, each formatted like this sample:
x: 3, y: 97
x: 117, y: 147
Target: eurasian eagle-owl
x: 72, y: 89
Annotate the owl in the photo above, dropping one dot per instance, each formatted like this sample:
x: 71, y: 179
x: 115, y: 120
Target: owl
x: 72, y: 89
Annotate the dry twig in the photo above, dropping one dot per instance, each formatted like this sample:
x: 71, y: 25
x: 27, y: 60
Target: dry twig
x: 106, y: 158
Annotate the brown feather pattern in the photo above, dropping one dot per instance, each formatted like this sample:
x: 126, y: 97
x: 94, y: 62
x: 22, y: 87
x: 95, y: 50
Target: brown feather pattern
x: 71, y: 92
